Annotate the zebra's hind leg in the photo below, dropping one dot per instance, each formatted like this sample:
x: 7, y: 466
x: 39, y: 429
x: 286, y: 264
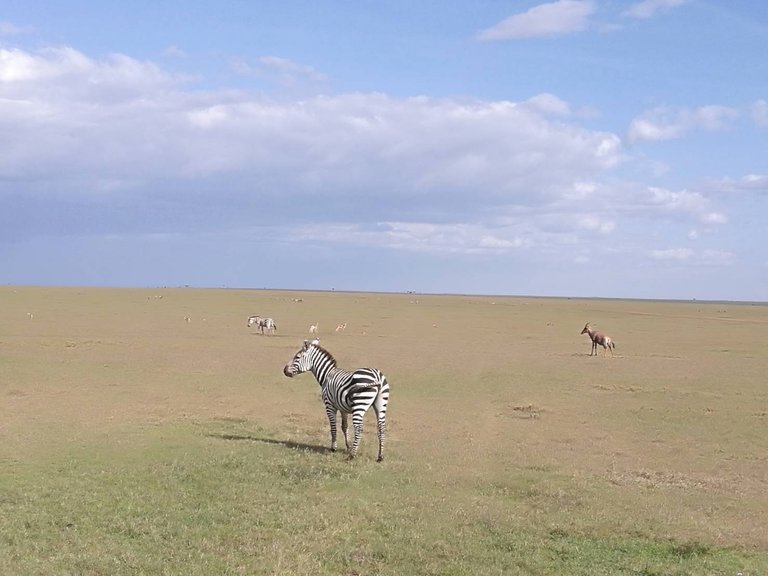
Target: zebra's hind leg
x: 331, y: 412
x: 380, y: 408
x: 380, y: 429
x: 357, y: 424
x: 344, y: 429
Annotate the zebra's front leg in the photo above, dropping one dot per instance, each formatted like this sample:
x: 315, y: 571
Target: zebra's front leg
x: 344, y: 416
x: 331, y: 412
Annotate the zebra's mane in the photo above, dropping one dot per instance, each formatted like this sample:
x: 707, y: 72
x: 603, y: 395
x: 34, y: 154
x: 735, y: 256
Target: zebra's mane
x: 328, y: 355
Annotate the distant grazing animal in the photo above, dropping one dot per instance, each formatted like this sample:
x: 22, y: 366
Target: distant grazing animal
x: 263, y: 323
x: 341, y: 327
x: 313, y: 328
x: 598, y: 338
x: 349, y: 392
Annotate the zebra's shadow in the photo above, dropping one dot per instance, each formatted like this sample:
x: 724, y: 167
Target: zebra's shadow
x: 286, y: 443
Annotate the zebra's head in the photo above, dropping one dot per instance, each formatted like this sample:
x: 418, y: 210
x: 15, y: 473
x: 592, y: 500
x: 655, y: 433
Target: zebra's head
x: 253, y: 320
x: 302, y: 360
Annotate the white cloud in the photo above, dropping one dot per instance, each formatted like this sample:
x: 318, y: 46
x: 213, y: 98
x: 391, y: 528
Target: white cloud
x: 596, y: 223
x: 174, y: 52
x: 688, y: 201
x: 418, y: 174
x: 77, y: 77
x: 647, y: 129
x: 758, y: 180
x: 427, y: 237
x: 760, y: 113
x: 712, y: 117
x: 548, y: 104
x: 649, y: 8
x: 283, y: 71
x: 747, y: 183
x: 693, y: 204
x: 122, y: 130
x: 693, y: 257
x: 289, y: 68
x: 10, y: 29
x: 717, y: 257
x: 666, y: 124
x: 547, y: 20
x: 672, y: 254
x: 714, y: 218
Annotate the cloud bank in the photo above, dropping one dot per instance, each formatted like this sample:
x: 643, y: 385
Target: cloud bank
x: 119, y: 148
x: 123, y: 133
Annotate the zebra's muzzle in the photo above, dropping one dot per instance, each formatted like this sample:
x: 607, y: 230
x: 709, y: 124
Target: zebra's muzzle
x: 288, y: 372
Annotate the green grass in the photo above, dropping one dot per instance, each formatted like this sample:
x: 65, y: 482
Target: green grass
x: 153, y: 446
x: 228, y: 497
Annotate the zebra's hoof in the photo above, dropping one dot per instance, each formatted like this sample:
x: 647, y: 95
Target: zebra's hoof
x: 333, y: 449
x: 380, y: 459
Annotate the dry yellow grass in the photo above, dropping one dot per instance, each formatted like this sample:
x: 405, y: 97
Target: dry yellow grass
x: 668, y: 439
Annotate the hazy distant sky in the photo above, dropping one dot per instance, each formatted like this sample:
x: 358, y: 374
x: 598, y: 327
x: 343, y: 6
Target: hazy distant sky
x: 573, y: 148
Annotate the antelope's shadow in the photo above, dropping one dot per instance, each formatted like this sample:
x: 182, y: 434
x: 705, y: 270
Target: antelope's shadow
x: 286, y: 443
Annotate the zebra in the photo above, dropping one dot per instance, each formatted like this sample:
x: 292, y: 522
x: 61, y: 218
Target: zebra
x: 262, y: 323
x: 349, y: 392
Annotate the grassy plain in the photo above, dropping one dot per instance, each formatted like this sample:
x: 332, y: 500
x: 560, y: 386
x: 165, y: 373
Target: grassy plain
x: 133, y: 441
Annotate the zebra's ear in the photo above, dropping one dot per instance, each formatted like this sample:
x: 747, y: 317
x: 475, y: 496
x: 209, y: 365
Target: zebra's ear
x: 316, y: 341
x: 306, y: 344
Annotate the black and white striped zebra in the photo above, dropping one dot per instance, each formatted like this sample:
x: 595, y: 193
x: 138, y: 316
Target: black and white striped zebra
x: 349, y: 392
x: 262, y: 323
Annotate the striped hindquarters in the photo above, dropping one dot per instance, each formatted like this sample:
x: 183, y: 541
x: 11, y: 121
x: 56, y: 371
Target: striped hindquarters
x: 356, y: 391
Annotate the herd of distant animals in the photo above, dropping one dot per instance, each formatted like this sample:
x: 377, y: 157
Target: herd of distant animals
x: 269, y: 325
x: 598, y: 338
x: 356, y: 391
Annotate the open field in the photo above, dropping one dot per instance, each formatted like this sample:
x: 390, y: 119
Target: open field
x: 133, y: 441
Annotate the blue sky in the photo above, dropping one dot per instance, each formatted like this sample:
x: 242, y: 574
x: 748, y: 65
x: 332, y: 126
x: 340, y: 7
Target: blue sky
x: 569, y: 148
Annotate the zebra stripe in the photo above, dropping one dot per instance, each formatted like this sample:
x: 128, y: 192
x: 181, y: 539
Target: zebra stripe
x: 345, y: 391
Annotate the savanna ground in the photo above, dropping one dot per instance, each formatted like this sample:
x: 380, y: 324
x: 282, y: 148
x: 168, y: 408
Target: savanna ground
x: 133, y: 441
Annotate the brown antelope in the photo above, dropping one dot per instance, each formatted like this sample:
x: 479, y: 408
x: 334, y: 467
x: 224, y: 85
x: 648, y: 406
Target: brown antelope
x: 598, y: 338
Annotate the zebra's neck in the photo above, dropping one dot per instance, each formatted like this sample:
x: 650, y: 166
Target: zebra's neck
x: 322, y: 364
